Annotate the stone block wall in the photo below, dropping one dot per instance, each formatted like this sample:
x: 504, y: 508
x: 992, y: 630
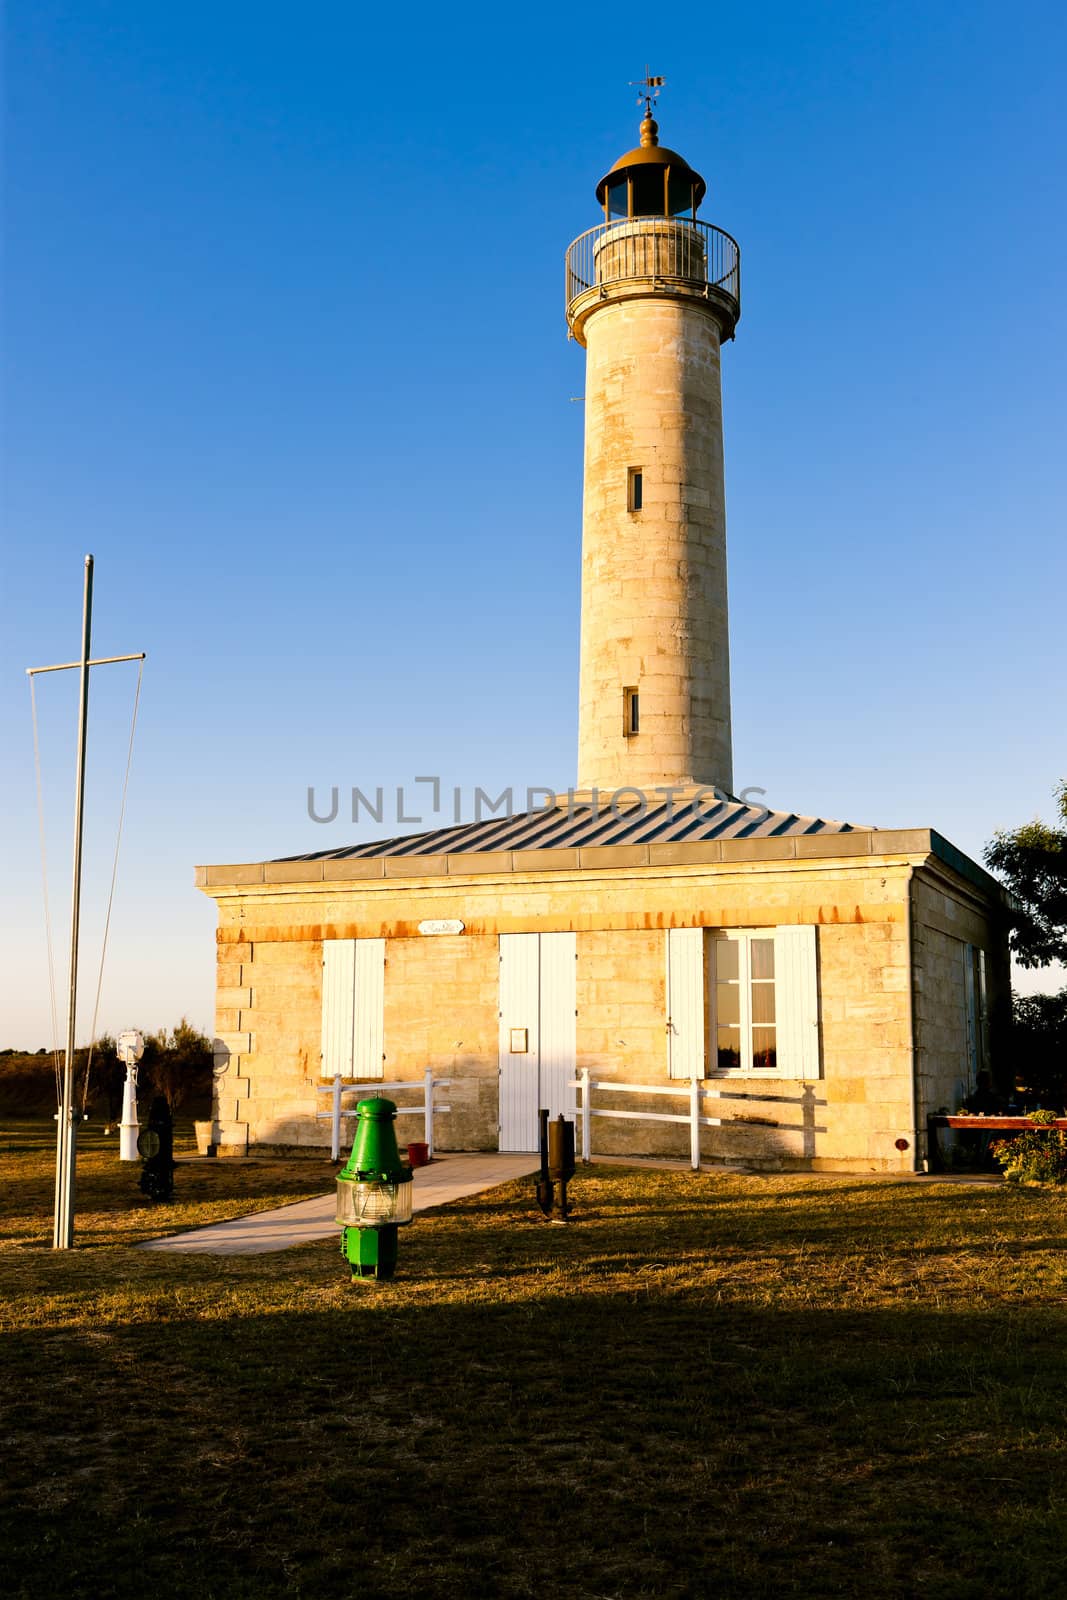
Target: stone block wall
x: 654, y: 601
x: 441, y: 999
x: 267, y: 1044
x: 946, y: 919
x: 441, y: 1002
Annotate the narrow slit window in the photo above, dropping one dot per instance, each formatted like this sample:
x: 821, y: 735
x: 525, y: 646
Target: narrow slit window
x: 634, y: 489
x: 631, y: 713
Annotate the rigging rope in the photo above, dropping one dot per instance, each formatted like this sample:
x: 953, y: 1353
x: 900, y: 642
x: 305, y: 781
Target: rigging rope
x: 111, y: 892
x: 47, y: 912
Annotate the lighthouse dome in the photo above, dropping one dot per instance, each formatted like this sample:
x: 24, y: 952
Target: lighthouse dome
x: 650, y: 181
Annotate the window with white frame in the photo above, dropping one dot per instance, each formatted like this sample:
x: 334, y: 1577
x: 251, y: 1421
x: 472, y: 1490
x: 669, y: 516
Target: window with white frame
x: 743, y: 1002
x: 740, y: 1017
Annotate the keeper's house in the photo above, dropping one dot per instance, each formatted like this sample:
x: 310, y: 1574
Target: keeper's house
x: 836, y: 983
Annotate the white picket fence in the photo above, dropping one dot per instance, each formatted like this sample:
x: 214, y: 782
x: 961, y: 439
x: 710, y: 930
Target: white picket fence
x: 693, y: 1090
x: 366, y: 1091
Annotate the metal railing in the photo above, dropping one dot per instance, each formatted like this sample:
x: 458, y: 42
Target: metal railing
x: 365, y: 1091
x: 673, y: 251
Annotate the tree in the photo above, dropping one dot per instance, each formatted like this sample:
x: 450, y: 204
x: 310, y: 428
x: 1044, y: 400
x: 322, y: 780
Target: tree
x: 1032, y: 860
x: 178, y: 1065
x: 1039, y: 1048
x: 106, y: 1076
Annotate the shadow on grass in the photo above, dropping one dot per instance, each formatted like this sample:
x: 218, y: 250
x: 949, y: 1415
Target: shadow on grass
x: 109, y: 1206
x: 695, y: 1389
x: 635, y: 1444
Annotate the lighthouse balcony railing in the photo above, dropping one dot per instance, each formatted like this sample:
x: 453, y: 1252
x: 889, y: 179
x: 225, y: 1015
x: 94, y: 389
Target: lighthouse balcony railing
x: 673, y: 252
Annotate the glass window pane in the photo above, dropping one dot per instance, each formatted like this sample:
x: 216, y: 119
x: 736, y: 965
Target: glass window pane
x: 729, y: 1052
x: 726, y: 958
x: 763, y: 958
x: 728, y: 1004
x: 617, y: 199
x: 763, y: 1002
x: 764, y: 1055
x: 650, y: 196
x: 679, y: 193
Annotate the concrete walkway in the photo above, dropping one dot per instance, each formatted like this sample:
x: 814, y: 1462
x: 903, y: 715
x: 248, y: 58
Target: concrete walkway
x: 447, y: 1178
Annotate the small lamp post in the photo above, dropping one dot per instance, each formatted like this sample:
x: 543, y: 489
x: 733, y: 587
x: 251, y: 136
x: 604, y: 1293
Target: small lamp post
x: 374, y: 1191
x: 129, y: 1049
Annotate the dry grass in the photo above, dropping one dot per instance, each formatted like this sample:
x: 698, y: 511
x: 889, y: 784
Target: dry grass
x: 705, y: 1386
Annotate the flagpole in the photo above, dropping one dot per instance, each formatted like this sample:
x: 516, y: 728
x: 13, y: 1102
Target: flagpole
x: 63, y: 1234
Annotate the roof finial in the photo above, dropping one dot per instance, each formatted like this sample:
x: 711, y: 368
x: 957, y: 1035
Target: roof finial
x: 650, y: 87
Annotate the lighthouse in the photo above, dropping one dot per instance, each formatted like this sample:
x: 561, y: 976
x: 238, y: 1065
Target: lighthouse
x: 812, y: 990
x: 653, y: 293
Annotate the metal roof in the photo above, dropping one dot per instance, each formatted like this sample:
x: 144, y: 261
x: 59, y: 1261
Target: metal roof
x: 573, y: 826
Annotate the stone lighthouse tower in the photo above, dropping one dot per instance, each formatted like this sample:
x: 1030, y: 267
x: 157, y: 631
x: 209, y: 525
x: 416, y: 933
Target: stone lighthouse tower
x: 652, y: 294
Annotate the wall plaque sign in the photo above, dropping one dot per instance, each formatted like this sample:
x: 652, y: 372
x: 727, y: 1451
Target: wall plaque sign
x: 441, y: 925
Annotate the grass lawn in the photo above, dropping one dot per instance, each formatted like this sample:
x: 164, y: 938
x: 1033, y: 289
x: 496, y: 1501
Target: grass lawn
x: 705, y: 1386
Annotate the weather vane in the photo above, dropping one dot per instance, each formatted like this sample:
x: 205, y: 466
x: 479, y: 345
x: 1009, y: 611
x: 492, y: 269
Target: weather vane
x: 649, y: 87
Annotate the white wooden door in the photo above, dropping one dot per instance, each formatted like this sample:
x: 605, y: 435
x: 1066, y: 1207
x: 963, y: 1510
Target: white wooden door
x: 538, y: 990
x: 520, y: 985
x: 559, y: 988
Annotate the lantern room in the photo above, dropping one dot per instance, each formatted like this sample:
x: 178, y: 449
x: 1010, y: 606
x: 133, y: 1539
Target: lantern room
x: 650, y: 181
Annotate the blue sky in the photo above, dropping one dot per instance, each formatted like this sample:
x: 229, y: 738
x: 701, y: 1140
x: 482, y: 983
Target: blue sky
x: 285, y: 349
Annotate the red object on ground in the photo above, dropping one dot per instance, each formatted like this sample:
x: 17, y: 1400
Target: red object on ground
x: 418, y: 1154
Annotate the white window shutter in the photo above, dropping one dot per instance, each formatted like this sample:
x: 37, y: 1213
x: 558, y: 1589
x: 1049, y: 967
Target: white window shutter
x: 983, y: 1013
x: 338, y: 1006
x: 368, y: 1059
x: 970, y: 1011
x: 685, y: 1002
x: 796, y: 990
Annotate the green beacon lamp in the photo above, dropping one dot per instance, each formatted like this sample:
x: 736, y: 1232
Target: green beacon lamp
x: 373, y: 1193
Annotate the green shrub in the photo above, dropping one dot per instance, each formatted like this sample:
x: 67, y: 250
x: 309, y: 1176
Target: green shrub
x: 1037, y: 1156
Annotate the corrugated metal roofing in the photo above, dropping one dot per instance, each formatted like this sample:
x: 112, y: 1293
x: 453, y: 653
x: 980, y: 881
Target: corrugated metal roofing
x: 571, y: 827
